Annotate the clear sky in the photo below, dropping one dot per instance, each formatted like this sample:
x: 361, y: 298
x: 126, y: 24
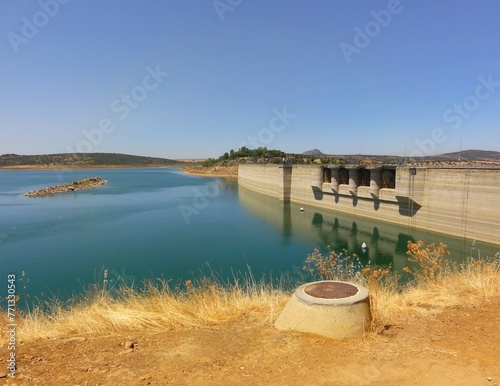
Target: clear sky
x: 186, y: 78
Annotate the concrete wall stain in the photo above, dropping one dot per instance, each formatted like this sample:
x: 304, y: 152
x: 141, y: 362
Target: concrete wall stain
x: 463, y: 202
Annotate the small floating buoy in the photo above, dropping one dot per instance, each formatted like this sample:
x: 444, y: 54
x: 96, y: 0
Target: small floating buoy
x: 364, y: 245
x: 301, y: 209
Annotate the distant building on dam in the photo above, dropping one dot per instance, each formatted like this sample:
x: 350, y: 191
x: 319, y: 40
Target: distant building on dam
x: 463, y: 202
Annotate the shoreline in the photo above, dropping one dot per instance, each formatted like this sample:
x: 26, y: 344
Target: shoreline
x: 133, y: 333
x: 229, y: 176
x: 190, y: 170
x: 85, y: 167
x: 230, y: 172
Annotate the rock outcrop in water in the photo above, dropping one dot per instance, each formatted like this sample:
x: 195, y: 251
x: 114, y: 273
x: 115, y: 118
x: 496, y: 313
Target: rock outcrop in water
x: 86, y: 183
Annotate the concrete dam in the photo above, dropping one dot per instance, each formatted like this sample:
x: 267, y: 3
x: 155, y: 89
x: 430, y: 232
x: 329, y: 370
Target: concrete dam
x: 463, y: 202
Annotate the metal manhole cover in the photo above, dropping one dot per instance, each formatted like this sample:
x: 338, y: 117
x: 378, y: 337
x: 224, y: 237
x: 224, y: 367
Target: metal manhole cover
x: 331, y: 290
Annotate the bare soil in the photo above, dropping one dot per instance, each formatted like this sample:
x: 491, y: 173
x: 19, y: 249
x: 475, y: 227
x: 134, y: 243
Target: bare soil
x: 214, y: 171
x: 460, y: 346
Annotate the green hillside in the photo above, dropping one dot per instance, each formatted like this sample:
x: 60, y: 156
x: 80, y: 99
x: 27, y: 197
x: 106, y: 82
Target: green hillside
x: 84, y: 159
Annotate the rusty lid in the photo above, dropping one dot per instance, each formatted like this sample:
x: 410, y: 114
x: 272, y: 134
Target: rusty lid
x: 331, y: 290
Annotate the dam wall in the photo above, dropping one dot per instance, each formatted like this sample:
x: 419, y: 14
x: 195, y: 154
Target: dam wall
x: 463, y: 202
x: 269, y: 179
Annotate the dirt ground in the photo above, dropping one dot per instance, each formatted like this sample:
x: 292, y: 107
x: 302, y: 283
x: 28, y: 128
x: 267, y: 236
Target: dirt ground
x: 214, y: 171
x: 456, y: 347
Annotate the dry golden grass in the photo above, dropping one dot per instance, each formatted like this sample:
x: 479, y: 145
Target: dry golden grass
x: 209, y: 302
x: 155, y: 307
x: 437, y: 283
x: 470, y: 283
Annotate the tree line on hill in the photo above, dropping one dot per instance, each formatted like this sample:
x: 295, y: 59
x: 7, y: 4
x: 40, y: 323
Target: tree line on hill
x: 84, y: 159
x: 264, y: 155
x: 244, y: 153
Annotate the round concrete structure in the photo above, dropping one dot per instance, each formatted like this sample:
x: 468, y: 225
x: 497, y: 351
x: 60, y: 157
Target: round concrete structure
x: 334, y: 309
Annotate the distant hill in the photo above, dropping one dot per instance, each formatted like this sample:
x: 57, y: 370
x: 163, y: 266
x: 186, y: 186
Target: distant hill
x: 468, y: 155
x: 486, y: 156
x: 83, y: 160
x: 316, y: 156
x: 314, y: 152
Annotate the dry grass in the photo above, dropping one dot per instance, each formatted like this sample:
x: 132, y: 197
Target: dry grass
x: 452, y: 285
x: 437, y: 283
x: 155, y: 307
x: 209, y: 302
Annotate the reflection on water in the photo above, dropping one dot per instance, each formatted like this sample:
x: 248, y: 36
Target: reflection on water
x: 386, y: 243
x: 134, y: 227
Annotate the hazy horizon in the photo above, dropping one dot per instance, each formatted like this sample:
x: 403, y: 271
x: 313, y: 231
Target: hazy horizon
x: 218, y: 155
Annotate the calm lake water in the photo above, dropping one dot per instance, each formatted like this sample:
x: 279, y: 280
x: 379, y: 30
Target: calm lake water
x: 150, y: 223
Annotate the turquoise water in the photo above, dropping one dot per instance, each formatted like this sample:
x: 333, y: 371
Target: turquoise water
x: 149, y: 223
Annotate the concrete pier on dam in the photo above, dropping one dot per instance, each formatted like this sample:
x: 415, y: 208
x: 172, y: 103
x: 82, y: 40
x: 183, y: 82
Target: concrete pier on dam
x: 462, y: 202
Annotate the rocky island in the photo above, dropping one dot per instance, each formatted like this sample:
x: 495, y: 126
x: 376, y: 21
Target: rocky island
x: 86, y: 183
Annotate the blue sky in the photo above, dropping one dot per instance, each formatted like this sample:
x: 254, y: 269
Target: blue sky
x: 182, y: 79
